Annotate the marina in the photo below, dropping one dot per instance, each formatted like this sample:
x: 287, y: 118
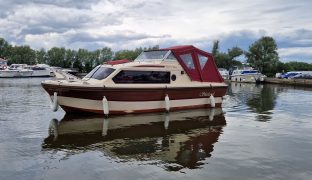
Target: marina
x: 160, y: 90
x: 261, y: 132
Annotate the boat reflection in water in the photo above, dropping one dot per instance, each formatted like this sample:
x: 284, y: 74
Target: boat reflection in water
x: 175, y: 140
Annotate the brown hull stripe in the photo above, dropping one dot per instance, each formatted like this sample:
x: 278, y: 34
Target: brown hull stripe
x: 121, y: 94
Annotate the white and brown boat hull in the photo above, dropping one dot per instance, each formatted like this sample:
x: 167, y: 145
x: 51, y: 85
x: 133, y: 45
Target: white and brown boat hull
x: 133, y: 100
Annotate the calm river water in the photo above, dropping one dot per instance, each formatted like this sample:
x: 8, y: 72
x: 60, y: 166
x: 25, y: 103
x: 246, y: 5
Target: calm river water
x: 262, y: 132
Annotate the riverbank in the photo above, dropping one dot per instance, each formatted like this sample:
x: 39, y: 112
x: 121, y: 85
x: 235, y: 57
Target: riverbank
x: 296, y: 82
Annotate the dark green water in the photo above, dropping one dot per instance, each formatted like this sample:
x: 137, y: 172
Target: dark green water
x: 262, y: 132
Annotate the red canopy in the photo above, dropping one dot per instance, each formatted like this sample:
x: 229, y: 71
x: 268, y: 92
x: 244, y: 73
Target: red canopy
x: 198, y: 64
x: 114, y: 62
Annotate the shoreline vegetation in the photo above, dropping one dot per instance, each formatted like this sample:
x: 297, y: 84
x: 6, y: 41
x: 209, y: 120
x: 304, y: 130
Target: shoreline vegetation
x: 261, y: 55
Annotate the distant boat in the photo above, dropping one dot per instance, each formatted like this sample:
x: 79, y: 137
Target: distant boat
x: 224, y: 73
x: 247, y: 74
x: 24, y: 70
x: 3, y: 64
x: 16, y: 70
x: 40, y: 70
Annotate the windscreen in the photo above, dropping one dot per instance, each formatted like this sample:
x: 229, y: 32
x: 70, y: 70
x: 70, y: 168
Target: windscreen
x: 100, y: 73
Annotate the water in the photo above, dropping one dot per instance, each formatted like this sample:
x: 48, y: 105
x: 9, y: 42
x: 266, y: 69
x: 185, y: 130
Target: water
x: 262, y: 132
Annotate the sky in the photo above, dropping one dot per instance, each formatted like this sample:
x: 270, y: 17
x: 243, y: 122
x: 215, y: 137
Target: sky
x: 127, y: 24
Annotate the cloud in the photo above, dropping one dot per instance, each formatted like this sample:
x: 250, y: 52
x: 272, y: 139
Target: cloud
x: 76, y: 40
x: 296, y: 54
x: 123, y: 24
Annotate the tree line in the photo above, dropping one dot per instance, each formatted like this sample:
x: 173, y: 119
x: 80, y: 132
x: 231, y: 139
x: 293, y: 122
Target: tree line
x: 81, y: 59
x: 261, y: 55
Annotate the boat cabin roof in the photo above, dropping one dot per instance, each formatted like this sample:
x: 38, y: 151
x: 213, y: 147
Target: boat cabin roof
x: 198, y: 64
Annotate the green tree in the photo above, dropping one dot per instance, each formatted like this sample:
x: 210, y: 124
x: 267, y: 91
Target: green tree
x: 127, y: 54
x: 298, y: 66
x: 22, y: 55
x: 132, y: 54
x: 82, y: 60
x: 235, y: 52
x: 222, y: 60
x: 70, y: 56
x: 56, y: 56
x: 106, y: 54
x: 215, y: 48
x: 4, y: 48
x: 41, y: 56
x: 226, y: 60
x: 263, y: 55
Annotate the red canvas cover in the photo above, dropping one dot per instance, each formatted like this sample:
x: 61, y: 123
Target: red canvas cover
x: 203, y: 67
x: 114, y: 62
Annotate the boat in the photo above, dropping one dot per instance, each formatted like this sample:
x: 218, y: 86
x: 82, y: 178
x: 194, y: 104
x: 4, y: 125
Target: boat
x: 40, y: 70
x: 224, y: 73
x: 24, y: 70
x: 181, y: 139
x: 169, y: 79
x: 16, y: 70
x: 247, y: 74
x: 3, y: 64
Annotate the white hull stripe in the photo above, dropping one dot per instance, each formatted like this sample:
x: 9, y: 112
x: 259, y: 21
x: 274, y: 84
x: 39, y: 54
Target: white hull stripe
x: 131, y: 105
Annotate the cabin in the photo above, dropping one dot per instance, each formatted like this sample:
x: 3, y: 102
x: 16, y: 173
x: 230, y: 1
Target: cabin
x: 173, y: 65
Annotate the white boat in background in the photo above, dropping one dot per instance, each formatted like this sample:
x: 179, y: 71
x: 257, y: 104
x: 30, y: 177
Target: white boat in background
x: 247, y: 74
x: 224, y: 73
x: 40, y: 70
x: 24, y: 70
x: 16, y: 70
x: 3, y: 64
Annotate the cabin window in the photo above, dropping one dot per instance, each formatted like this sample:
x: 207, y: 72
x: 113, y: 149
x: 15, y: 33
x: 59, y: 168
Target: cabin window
x: 202, y: 60
x: 142, y: 77
x: 100, y: 73
x: 171, y: 57
x: 151, y: 55
x: 188, y: 60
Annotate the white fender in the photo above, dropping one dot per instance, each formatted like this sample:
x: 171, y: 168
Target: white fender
x: 105, y: 106
x: 167, y: 119
x: 167, y: 101
x: 53, y: 128
x: 212, y: 101
x: 105, y: 127
x: 212, y: 114
x: 54, y: 102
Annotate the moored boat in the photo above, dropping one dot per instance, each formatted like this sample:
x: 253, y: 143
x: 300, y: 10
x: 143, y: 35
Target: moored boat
x: 224, y: 73
x: 3, y: 64
x: 247, y: 74
x: 16, y: 70
x: 40, y: 70
x: 181, y: 77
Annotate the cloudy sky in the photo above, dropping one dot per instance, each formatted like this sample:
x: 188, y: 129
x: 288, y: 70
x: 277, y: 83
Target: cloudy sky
x: 125, y: 24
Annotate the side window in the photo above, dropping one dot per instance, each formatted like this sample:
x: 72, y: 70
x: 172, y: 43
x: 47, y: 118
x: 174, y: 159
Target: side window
x: 202, y: 60
x: 188, y: 60
x: 142, y: 77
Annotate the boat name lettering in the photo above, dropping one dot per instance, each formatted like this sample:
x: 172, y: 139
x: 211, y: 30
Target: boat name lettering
x: 204, y: 94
